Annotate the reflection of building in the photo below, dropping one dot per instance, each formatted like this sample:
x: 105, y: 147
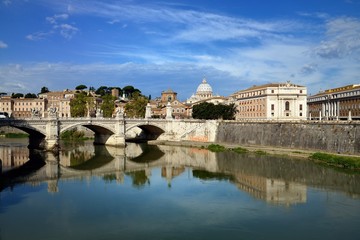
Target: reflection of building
x: 278, y: 101
x: 272, y: 190
x: 170, y: 172
x: 13, y: 156
x: 342, y: 103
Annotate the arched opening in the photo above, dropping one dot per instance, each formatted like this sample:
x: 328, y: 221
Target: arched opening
x: 100, y: 133
x: 143, y: 133
x: 36, y: 139
x: 287, y: 106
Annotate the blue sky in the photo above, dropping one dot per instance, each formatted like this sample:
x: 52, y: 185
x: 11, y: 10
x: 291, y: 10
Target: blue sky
x: 157, y: 45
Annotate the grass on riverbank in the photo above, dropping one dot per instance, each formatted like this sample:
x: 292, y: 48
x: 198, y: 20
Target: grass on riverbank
x: 16, y: 135
x: 346, y: 162
x: 73, y: 134
x: 220, y: 148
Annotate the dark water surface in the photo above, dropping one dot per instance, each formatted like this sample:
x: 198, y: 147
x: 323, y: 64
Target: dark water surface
x: 166, y: 192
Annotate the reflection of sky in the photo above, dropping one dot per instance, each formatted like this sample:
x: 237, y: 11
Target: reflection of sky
x: 191, y: 208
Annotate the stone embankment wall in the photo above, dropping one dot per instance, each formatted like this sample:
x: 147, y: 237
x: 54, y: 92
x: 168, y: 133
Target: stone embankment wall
x: 335, y: 137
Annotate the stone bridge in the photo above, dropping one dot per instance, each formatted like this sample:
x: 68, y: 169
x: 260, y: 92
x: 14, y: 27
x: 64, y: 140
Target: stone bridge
x: 45, y: 133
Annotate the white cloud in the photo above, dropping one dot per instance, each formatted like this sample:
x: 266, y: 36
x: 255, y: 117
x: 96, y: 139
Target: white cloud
x: 308, y: 69
x: 53, y: 19
x: 67, y: 30
x: 7, y: 2
x: 38, y: 36
x: 3, y: 45
x: 342, y: 38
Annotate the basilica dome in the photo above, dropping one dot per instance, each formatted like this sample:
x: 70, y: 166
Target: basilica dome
x: 204, y: 87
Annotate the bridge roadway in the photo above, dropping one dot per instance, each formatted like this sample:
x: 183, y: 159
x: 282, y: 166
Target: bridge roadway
x: 44, y: 133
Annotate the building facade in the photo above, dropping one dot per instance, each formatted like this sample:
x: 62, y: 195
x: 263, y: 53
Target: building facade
x: 6, y: 104
x: 60, y: 100
x: 275, y: 101
x: 158, y: 106
x: 342, y: 103
x: 25, y: 107
x: 204, y: 91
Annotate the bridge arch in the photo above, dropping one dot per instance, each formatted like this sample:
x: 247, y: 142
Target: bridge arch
x: 95, y: 127
x: 102, y: 133
x: 37, y: 133
x: 149, y: 131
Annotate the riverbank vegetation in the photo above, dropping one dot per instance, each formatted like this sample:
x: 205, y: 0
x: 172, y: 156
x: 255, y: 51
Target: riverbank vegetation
x: 220, y: 148
x: 346, y: 162
x: 340, y: 161
x: 73, y: 134
x: 14, y: 135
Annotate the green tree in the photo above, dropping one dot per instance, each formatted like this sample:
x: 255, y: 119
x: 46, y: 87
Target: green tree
x: 44, y: 90
x: 17, y: 95
x: 103, y: 90
x: 107, y: 105
x: 137, y: 106
x: 30, y: 95
x: 78, y: 105
x: 130, y: 91
x: 81, y: 87
x: 207, y: 110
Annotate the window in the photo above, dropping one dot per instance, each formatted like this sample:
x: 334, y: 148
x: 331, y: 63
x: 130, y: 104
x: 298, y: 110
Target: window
x: 287, y: 106
x: 300, y: 107
x: 272, y: 107
x: 272, y: 91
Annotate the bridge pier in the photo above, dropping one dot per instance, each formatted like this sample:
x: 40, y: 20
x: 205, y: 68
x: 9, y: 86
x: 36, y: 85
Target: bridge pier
x: 52, y: 134
x: 111, y: 140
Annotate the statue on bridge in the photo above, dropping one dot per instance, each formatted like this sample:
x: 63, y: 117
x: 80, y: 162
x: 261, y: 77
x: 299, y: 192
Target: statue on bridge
x: 119, y: 113
x: 35, y: 113
x: 99, y: 113
x: 52, y: 112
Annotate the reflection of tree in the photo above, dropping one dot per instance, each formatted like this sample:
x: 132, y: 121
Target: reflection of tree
x: 91, y: 161
x: 78, y: 157
x: 205, y: 175
x: 108, y: 178
x: 139, y: 178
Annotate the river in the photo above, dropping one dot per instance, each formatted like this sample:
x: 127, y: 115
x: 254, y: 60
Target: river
x: 167, y: 192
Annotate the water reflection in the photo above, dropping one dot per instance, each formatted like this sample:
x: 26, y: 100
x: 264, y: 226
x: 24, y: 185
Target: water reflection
x: 276, y: 180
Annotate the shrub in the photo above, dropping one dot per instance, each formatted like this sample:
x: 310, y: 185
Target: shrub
x: 335, y: 160
x: 216, y: 148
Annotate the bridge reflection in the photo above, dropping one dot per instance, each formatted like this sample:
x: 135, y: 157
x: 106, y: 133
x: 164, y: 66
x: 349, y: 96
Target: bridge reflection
x: 274, y: 179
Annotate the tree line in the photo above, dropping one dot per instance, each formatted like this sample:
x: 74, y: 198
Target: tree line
x: 84, y: 102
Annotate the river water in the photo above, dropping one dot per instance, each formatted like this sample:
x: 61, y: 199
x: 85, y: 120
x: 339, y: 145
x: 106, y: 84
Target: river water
x: 166, y: 192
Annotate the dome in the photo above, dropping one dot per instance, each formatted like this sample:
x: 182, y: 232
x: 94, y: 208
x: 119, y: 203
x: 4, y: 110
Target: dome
x: 204, y: 87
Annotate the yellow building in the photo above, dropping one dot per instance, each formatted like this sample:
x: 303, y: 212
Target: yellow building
x: 342, y: 103
x: 24, y: 107
x: 59, y: 100
x: 6, y: 104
